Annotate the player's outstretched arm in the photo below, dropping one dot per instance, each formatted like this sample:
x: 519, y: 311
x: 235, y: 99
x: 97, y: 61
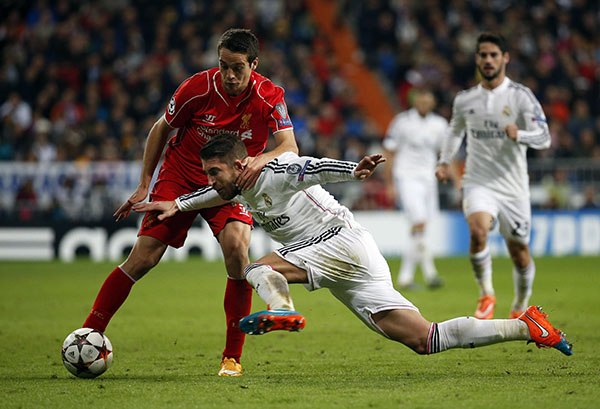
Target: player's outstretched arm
x: 166, y: 209
x: 367, y: 165
x: 157, y: 138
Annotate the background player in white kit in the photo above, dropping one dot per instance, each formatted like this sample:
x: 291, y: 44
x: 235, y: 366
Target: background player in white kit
x: 412, y: 143
x: 502, y: 119
x: 324, y: 247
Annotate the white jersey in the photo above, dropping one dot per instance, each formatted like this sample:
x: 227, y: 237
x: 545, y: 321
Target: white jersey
x: 494, y: 160
x: 287, y: 201
x: 416, y: 141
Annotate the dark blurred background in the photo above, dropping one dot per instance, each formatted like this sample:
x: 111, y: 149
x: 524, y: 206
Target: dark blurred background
x: 82, y: 82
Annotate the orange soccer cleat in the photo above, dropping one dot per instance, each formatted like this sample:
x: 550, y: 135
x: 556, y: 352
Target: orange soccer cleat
x: 272, y: 320
x: 543, y: 333
x: 230, y: 367
x: 485, y: 307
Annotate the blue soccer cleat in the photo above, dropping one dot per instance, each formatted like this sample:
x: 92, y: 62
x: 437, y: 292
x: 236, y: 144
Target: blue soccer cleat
x: 272, y: 320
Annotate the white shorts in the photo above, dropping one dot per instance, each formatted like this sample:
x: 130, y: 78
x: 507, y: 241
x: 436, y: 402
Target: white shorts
x: 418, y: 197
x: 348, y: 263
x: 513, y: 216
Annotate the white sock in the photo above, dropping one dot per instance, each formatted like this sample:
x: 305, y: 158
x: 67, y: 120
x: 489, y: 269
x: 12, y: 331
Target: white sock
x: 409, y: 262
x: 482, y: 267
x: 425, y: 257
x: 523, y: 281
x: 469, y: 332
x: 270, y: 285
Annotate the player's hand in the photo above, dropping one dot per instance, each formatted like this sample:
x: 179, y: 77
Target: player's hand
x: 442, y: 172
x: 252, y: 168
x: 140, y: 194
x: 367, y: 166
x: 511, y: 130
x: 166, y: 208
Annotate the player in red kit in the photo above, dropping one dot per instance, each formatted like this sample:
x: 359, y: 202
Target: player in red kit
x: 231, y: 98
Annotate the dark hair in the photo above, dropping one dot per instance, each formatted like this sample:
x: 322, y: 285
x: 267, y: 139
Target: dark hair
x: 226, y: 146
x: 240, y: 40
x: 494, y: 38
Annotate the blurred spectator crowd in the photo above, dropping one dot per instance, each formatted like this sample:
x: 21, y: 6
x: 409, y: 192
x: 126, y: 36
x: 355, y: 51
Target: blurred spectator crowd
x: 83, y: 81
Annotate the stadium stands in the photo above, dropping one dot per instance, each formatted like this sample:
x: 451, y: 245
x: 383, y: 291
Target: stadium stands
x: 81, y: 82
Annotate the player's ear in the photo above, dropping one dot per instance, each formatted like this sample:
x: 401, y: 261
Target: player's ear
x: 506, y: 57
x: 254, y: 64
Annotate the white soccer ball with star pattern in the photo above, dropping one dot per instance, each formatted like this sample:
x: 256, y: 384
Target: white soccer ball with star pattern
x: 87, y: 353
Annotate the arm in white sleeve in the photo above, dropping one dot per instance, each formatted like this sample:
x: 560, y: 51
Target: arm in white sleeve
x: 302, y: 172
x: 536, y: 135
x: 455, y: 134
x: 202, y: 198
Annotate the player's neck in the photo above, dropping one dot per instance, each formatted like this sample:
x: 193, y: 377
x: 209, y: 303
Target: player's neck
x: 493, y: 83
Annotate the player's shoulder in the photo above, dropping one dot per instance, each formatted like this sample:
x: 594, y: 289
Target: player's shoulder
x: 198, y: 84
x: 437, y: 118
x: 466, y: 93
x: 265, y: 88
x: 281, y: 163
x: 520, y: 89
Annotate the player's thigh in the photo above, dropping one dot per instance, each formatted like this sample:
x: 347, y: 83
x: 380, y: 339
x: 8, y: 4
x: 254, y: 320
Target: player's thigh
x: 234, y: 238
x: 515, y: 221
x: 480, y: 208
x: 412, y: 196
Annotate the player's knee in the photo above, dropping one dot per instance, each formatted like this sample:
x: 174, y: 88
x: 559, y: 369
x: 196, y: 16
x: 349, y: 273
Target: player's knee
x: 478, y: 234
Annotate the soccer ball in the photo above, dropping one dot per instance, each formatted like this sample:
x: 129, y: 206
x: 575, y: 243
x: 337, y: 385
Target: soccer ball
x: 87, y: 353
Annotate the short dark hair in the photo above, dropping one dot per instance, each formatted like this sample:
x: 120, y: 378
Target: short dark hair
x: 226, y: 146
x: 494, y: 38
x: 240, y: 40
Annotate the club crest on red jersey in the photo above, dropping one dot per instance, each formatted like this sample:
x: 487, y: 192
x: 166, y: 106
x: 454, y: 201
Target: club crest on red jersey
x: 246, y: 121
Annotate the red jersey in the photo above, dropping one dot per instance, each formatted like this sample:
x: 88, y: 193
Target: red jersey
x: 201, y: 109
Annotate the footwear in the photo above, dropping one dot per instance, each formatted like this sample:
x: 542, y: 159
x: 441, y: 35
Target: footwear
x: 543, y: 333
x: 409, y: 286
x: 515, y: 314
x: 230, y: 367
x: 435, y: 282
x: 485, y: 307
x: 272, y: 320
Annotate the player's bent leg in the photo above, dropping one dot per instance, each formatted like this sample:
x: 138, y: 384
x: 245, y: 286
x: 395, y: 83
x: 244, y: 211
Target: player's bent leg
x: 270, y: 276
x: 405, y: 326
x: 234, y: 239
x: 145, y: 254
x: 523, y: 276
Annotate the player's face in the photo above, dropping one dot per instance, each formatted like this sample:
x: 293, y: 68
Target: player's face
x: 491, y: 62
x: 235, y: 71
x: 221, y: 177
x: 424, y: 103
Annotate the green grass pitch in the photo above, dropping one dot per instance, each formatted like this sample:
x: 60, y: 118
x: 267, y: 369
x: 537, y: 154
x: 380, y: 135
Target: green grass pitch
x: 169, y: 335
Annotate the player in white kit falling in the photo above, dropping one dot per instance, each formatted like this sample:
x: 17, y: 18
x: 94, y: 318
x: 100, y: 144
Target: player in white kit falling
x: 324, y: 247
x: 502, y: 119
x: 412, y: 143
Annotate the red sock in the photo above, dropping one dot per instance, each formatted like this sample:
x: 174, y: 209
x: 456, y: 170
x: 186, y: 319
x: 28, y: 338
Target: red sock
x: 238, y: 301
x: 112, y: 295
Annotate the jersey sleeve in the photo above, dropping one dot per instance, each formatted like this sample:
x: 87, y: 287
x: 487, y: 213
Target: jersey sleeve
x: 291, y: 171
x: 276, y: 113
x: 536, y: 135
x: 455, y: 133
x: 393, y: 135
x: 202, y: 198
x: 187, y: 99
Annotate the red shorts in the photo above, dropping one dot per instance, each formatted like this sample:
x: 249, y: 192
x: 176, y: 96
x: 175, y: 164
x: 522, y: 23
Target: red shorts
x: 173, y: 231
